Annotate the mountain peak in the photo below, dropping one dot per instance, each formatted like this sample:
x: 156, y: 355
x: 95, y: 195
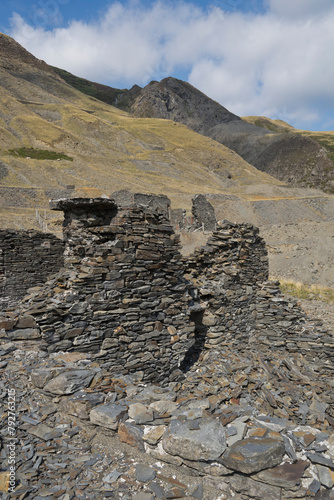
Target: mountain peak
x: 179, y: 101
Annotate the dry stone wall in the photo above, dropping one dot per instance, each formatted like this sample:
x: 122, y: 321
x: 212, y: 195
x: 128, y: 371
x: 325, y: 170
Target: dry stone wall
x: 203, y: 213
x: 122, y: 293
x: 127, y: 295
x: 236, y: 305
x: 27, y: 259
x: 226, y: 273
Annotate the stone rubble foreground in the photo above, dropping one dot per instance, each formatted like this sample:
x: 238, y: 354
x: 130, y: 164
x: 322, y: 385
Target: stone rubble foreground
x: 107, y: 436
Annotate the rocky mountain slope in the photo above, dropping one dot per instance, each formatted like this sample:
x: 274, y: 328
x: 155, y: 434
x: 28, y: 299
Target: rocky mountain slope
x: 293, y: 156
x: 287, y: 155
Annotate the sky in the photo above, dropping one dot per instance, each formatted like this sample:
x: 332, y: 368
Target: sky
x: 271, y: 58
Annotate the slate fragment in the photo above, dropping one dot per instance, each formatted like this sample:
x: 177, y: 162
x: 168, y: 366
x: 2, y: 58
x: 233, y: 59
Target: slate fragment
x: 69, y: 382
x: 81, y: 403
x: 132, y: 435
x: 253, y: 455
x: 285, y: 476
x: 254, y: 489
x: 316, y: 458
x: 108, y: 415
x: 145, y: 474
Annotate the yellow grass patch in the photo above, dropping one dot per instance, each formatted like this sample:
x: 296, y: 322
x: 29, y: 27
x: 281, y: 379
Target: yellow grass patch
x: 308, y: 292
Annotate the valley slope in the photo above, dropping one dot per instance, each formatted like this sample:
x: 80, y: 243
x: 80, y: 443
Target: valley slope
x: 298, y: 157
x: 109, y: 148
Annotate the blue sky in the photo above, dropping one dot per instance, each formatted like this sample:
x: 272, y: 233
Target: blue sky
x: 55, y: 13
x: 255, y: 57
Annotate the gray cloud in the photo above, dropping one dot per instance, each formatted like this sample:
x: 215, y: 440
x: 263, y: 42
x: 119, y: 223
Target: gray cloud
x: 299, y: 9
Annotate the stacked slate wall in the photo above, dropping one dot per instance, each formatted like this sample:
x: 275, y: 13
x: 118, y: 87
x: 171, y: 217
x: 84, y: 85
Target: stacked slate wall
x: 128, y: 295
x: 226, y: 273
x: 122, y: 293
x: 27, y: 259
x: 282, y: 325
x: 236, y: 305
x: 156, y: 202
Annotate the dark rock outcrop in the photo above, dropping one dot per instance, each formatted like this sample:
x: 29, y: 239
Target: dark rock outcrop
x: 179, y: 101
x: 288, y: 156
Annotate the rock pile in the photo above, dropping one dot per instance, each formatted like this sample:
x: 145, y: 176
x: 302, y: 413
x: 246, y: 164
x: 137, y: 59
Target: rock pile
x: 83, y: 433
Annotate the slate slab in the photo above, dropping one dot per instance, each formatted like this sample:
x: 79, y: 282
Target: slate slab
x: 153, y: 434
x: 205, y: 441
x: 145, y: 474
x: 81, y: 403
x: 69, y: 382
x: 140, y: 413
x: 285, y: 476
x: 316, y: 458
x: 108, y: 415
x: 42, y: 431
x: 41, y: 377
x: 253, y: 455
x: 326, y: 476
x: 26, y: 321
x: 253, y: 489
x: 25, y: 334
x: 132, y: 435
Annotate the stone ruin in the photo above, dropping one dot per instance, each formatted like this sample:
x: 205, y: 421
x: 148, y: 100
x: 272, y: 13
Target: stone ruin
x: 203, y: 213
x: 132, y: 304
x: 126, y: 294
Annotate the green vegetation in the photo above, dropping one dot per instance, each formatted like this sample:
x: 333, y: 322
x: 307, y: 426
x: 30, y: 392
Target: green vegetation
x: 99, y: 91
x: 87, y: 87
x: 38, y: 154
x: 122, y: 99
x: 308, y: 292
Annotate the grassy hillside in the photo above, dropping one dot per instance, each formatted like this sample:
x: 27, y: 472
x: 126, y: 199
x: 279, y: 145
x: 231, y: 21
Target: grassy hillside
x: 122, y: 98
x: 325, y: 139
x: 275, y: 126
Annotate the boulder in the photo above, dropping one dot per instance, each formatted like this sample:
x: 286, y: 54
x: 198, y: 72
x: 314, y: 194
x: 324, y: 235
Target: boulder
x: 200, y: 439
x: 253, y: 455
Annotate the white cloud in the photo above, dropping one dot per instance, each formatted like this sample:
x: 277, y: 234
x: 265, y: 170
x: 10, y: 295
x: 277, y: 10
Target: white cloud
x: 277, y: 64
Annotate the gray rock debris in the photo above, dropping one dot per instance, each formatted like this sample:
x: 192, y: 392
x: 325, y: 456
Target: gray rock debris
x: 109, y: 415
x: 201, y: 439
